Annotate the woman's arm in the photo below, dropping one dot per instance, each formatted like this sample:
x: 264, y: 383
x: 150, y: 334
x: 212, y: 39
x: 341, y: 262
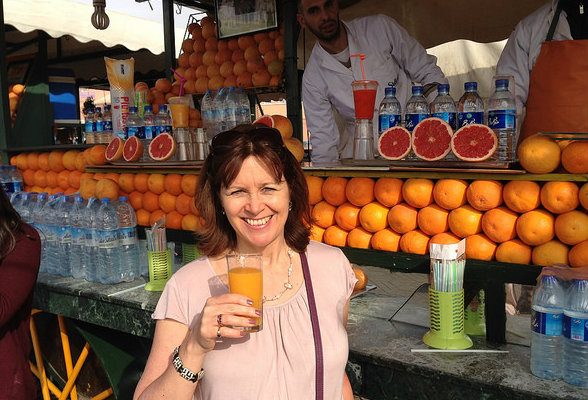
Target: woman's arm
x: 347, y: 390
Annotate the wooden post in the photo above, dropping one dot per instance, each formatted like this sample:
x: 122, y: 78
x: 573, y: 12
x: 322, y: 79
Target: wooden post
x: 5, y: 109
x: 293, y: 100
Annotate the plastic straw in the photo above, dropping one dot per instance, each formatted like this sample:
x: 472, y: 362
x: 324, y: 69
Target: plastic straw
x: 182, y: 81
x: 361, y: 58
x: 156, y: 238
x: 447, y: 267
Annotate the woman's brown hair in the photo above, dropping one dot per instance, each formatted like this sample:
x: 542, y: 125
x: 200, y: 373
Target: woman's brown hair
x: 10, y: 223
x: 228, y: 151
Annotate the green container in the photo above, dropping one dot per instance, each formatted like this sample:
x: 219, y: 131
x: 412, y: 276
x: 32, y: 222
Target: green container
x: 189, y: 253
x: 474, y: 317
x: 446, y: 319
x: 160, y: 269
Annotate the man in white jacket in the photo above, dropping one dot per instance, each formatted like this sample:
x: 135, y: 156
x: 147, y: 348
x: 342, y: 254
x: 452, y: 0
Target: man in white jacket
x: 392, y: 56
x: 550, y: 68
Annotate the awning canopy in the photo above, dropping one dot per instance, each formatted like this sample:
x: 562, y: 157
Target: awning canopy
x: 130, y: 25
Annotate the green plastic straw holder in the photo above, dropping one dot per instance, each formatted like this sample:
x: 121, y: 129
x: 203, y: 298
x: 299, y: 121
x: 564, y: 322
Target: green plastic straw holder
x: 189, y: 253
x: 160, y: 269
x: 446, y: 318
x: 475, y: 318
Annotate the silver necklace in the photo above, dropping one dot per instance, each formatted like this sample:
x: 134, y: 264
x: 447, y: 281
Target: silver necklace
x: 287, y: 285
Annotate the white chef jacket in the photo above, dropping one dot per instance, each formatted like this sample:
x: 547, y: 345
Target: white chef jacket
x: 392, y: 55
x: 524, y: 44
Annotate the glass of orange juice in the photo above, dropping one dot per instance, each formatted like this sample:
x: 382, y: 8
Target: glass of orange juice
x: 180, y: 112
x: 246, y: 278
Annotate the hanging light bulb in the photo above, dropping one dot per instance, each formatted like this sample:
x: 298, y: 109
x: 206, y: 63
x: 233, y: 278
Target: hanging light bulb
x: 99, y: 19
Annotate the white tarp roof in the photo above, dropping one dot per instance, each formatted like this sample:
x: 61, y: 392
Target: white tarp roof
x: 132, y: 24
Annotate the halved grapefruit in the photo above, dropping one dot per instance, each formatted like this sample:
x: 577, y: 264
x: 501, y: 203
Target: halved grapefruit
x: 394, y: 143
x: 133, y: 149
x: 114, y: 150
x: 162, y: 147
x: 266, y: 120
x: 431, y: 139
x: 474, y: 142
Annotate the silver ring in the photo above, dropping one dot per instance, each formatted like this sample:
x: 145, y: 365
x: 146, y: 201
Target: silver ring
x: 219, y: 320
x: 218, y: 334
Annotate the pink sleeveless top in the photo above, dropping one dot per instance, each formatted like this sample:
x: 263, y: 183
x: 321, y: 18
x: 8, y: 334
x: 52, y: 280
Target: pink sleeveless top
x: 278, y: 362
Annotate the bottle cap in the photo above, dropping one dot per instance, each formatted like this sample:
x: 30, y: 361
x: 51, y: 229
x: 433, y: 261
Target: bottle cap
x: 163, y: 107
x: 98, y: 109
x: 417, y: 90
x: 148, y: 108
x: 443, y: 88
x: 123, y: 198
x: 105, y: 200
x: 502, y: 83
x: 132, y: 109
x: 471, y: 86
x: 390, y: 90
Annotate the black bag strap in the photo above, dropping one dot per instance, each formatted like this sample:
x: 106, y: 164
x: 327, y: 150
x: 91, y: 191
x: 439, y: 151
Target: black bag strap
x: 316, y: 331
x: 554, y: 21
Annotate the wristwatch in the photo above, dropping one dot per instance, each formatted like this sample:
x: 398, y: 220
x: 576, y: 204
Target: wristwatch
x: 183, y: 371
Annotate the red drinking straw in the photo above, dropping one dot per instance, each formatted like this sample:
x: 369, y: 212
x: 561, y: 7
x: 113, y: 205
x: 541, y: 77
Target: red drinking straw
x: 361, y: 58
x: 183, y: 80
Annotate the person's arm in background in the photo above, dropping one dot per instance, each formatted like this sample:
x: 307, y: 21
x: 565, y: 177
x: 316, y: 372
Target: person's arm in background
x: 324, y: 135
x: 18, y: 274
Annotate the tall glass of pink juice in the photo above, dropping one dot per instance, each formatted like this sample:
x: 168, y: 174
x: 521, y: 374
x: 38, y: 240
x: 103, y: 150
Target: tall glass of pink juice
x: 364, y: 98
x: 246, y: 278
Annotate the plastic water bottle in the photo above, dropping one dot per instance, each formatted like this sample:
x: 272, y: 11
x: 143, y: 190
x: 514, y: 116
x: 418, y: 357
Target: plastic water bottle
x: 220, y: 111
x: 502, y: 118
x: 89, y: 127
x: 77, y: 263
x: 575, y: 331
x: 5, y: 181
x: 107, y: 123
x: 91, y: 238
x: 546, y: 327
x: 108, y: 265
x: 64, y: 240
x: 49, y: 258
x: 231, y: 106
x: 129, y: 240
x: 417, y: 108
x: 14, y: 179
x: 21, y: 201
x: 134, y: 124
x: 99, y: 124
x: 162, y: 121
x: 207, y: 113
x: 390, y: 113
x: 443, y: 106
x: 149, y: 127
x: 243, y: 107
x: 37, y: 203
x: 470, y: 107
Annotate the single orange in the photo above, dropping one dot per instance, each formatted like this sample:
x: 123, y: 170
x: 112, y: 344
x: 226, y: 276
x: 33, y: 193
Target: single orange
x: 22, y: 161
x: 583, y: 196
x: 150, y: 202
x: 499, y: 224
x: 539, y: 154
x: 56, y: 161
x: 173, y: 184
x: 44, y: 162
x: 88, y: 187
x: 578, y: 255
x: 386, y: 239
x: 572, y: 227
x: 560, y: 197
x: 183, y: 202
x: 155, y: 183
x: 140, y: 182
x: 63, y: 179
x: 323, y: 214
x: 522, y: 196
x: 136, y: 200
x: 69, y: 159
x: 335, y: 236
x: 479, y: 247
x: 450, y: 193
x: 402, y: 218
x: 315, y: 185
x: 316, y: 233
x: 173, y: 220
x: 432, y: 220
x: 334, y: 190
x: 535, y: 227
x: 574, y: 158
x: 415, y: 242
x: 52, y: 179
x: 33, y: 160
x: 74, y: 179
x: 105, y: 188
x: 484, y: 195
x: 189, y: 183
x: 514, y: 251
x: 167, y: 202
x: 360, y: 191
x: 347, y: 216
x: 95, y: 155
x: 444, y: 238
x: 40, y: 178
x: 418, y: 192
x: 156, y: 216
x: 126, y: 182
x: 81, y: 162
x: 465, y: 221
x: 552, y: 252
x: 28, y: 177
x: 388, y: 191
x: 359, y: 238
x: 373, y: 217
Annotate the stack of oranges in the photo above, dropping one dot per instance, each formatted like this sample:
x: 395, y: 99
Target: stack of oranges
x: 517, y: 222
x: 539, y: 154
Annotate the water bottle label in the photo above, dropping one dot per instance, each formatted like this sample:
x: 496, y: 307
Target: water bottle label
x: 89, y: 126
x: 91, y: 240
x: 99, y: 126
x: 467, y: 118
x: 77, y: 236
x: 107, y: 126
x: 108, y: 239
x: 127, y: 236
x: 413, y: 119
x: 388, y: 121
x: 150, y: 131
x: 138, y: 131
x: 8, y: 187
x: 448, y: 117
x: 64, y: 235
x: 163, y: 129
x: 502, y: 119
x: 575, y: 328
x: 18, y: 186
x: 546, y: 323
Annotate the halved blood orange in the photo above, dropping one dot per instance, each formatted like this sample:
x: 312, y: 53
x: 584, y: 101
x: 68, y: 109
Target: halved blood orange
x: 133, y: 149
x: 266, y: 120
x: 474, y: 142
x: 114, y: 150
x: 431, y: 139
x: 162, y: 147
x: 394, y: 143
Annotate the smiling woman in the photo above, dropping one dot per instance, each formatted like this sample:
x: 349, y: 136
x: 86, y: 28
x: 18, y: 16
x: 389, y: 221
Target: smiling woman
x: 253, y: 196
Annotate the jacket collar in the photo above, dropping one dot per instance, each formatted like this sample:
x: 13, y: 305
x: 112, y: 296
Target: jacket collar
x: 331, y: 63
